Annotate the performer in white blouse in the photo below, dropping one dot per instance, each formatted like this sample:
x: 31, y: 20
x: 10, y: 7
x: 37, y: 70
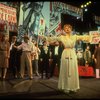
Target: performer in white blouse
x: 27, y: 50
x: 68, y: 76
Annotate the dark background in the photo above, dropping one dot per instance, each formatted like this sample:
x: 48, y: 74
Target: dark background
x: 88, y: 22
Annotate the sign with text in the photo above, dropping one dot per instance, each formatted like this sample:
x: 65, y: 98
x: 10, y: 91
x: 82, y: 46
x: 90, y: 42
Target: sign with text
x: 8, y: 13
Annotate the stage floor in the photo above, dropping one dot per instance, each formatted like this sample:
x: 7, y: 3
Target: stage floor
x: 47, y: 89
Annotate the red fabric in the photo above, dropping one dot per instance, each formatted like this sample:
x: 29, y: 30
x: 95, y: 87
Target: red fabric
x: 85, y: 71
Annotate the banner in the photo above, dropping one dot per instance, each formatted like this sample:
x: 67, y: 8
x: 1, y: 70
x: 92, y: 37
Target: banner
x: 69, y: 9
x: 41, y: 26
x: 56, y: 8
x: 96, y: 37
x: 29, y: 19
x: 43, y: 17
x: 8, y: 14
x: 55, y: 19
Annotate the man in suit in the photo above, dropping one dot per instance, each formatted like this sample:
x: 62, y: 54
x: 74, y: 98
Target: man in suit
x: 56, y: 50
x: 45, y: 58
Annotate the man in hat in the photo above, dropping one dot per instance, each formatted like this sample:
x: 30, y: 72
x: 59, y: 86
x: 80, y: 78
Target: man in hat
x: 27, y: 49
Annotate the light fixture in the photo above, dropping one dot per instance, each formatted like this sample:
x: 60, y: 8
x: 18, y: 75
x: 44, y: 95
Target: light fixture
x: 78, y: 18
x: 82, y: 6
x: 86, y: 9
x: 90, y: 2
x: 85, y: 5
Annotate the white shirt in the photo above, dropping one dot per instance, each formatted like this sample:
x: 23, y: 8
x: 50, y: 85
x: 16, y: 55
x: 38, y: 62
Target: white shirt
x: 27, y: 46
x: 56, y: 50
x: 45, y: 49
x: 11, y: 45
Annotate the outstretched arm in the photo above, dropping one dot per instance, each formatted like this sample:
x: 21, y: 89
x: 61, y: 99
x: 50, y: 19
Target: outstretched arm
x: 50, y: 39
x: 87, y: 38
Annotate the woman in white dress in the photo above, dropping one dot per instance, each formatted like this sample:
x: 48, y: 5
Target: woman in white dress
x: 68, y: 76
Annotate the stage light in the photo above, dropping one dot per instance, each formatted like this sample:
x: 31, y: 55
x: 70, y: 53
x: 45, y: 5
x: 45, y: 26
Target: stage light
x: 78, y: 18
x: 90, y: 2
x: 85, y: 5
x: 82, y: 6
x: 86, y: 9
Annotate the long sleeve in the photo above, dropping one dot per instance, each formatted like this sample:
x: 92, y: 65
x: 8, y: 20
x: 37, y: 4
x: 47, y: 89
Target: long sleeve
x: 54, y: 38
x: 86, y: 38
x: 20, y: 47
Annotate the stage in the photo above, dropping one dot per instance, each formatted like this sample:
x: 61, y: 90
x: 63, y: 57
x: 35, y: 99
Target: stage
x: 47, y: 89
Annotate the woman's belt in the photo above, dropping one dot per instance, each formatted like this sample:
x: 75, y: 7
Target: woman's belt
x: 26, y: 51
x: 68, y: 48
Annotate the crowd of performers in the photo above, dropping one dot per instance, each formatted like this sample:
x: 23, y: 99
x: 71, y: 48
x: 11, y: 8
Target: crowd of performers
x: 43, y: 58
x: 29, y: 58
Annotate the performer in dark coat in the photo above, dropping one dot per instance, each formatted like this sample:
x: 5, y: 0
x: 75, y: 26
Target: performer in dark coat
x: 45, y: 57
x: 55, y: 56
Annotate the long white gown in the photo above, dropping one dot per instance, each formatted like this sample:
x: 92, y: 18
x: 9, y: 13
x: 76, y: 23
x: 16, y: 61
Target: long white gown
x: 68, y: 76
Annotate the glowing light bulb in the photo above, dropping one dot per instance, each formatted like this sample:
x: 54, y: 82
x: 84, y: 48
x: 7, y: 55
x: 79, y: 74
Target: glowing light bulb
x: 82, y: 6
x: 86, y: 9
x: 85, y: 5
x: 90, y: 2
